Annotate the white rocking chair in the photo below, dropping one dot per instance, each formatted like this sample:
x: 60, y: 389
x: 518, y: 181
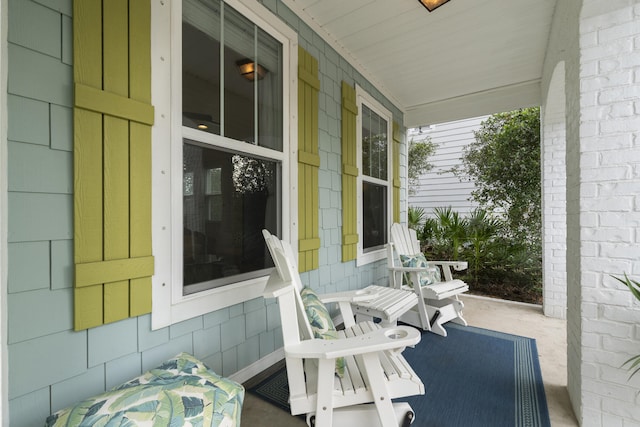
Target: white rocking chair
x: 375, y: 371
x: 438, y: 302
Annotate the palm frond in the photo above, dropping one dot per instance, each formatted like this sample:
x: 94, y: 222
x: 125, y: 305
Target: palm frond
x: 634, y: 364
x: 633, y: 285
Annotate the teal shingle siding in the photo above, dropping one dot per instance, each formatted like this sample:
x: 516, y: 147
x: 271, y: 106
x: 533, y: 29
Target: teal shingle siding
x: 29, y: 263
x: 61, y: 128
x: 112, y: 341
x: 39, y: 313
x: 61, y: 264
x: 34, y: 168
x: 49, y: 364
x: 123, y: 369
x: 29, y: 120
x: 30, y: 409
x: 46, y: 360
x: 77, y: 388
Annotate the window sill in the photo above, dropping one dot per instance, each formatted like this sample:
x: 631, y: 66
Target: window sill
x: 167, y: 312
x: 369, y: 257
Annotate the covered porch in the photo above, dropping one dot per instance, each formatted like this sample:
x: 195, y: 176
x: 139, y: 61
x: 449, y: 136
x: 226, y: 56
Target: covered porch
x: 577, y: 59
x: 499, y: 315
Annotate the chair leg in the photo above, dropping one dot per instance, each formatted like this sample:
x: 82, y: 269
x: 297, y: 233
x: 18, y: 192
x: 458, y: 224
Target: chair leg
x: 436, y: 324
x: 425, y: 312
x: 458, y: 306
x: 324, y: 408
x: 381, y: 397
x: 367, y: 415
x: 448, y: 310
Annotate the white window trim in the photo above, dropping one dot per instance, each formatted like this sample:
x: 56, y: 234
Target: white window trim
x: 169, y: 305
x: 363, y: 96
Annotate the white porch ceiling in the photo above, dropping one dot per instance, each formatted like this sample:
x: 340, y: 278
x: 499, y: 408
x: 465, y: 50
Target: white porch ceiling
x: 465, y: 59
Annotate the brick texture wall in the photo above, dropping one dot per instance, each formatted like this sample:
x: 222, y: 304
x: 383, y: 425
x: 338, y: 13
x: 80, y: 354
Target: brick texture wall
x: 609, y: 158
x: 554, y: 201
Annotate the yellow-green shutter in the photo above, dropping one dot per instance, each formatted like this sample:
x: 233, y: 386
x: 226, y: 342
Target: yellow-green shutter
x: 308, y: 161
x: 112, y: 160
x: 397, y: 140
x: 349, y: 174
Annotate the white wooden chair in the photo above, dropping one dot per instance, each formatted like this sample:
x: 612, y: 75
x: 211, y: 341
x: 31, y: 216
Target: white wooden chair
x: 438, y: 302
x: 375, y: 370
x: 372, y: 302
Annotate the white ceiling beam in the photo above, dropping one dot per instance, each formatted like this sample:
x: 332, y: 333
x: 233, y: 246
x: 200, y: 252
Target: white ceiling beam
x: 498, y: 100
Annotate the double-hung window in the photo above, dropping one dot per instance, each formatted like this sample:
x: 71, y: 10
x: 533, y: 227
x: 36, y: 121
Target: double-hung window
x: 228, y: 156
x: 374, y: 181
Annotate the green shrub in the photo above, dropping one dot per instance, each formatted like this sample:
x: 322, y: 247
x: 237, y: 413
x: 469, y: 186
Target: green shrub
x: 497, y: 261
x: 415, y: 218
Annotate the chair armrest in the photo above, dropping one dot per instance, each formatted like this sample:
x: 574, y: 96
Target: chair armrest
x: 446, y: 268
x: 457, y: 265
x: 396, y: 338
x: 412, y: 269
x: 360, y: 295
x: 345, y: 299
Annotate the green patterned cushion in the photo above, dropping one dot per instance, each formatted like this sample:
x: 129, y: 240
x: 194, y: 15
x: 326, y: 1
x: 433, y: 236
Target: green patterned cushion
x: 182, y: 391
x: 320, y: 321
x: 428, y: 277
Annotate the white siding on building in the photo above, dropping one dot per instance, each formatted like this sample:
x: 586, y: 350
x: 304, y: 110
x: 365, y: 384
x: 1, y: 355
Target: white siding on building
x: 439, y: 187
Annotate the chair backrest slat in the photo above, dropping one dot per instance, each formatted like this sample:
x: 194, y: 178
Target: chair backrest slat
x: 284, y: 260
x: 405, y: 240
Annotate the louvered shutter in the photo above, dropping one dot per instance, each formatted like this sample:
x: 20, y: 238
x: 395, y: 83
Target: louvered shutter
x: 308, y: 161
x: 112, y: 160
x: 349, y: 174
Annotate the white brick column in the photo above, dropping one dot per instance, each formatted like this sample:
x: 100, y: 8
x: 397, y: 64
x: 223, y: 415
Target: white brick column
x: 608, y: 218
x: 554, y: 200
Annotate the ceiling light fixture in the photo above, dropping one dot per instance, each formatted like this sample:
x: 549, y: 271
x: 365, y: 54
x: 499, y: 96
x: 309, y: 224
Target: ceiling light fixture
x: 432, y: 5
x: 248, y: 69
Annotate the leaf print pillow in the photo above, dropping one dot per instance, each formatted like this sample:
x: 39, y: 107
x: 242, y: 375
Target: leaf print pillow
x: 320, y: 321
x: 180, y: 392
x: 429, y: 276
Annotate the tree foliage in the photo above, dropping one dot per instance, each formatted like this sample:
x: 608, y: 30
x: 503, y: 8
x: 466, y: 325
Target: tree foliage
x: 498, y: 265
x: 504, y: 163
x: 419, y: 153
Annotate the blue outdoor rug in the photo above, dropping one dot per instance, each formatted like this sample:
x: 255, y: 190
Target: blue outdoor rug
x: 473, y: 377
x: 477, y: 377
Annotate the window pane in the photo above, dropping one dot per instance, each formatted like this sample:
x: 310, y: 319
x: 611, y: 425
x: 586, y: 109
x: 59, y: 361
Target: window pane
x: 253, y: 94
x: 228, y: 199
x: 374, y: 144
x: 270, y: 92
x: 374, y: 216
x: 201, y: 65
x: 239, y: 49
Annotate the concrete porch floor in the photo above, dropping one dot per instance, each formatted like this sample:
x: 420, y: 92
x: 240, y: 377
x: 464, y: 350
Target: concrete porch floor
x: 504, y: 316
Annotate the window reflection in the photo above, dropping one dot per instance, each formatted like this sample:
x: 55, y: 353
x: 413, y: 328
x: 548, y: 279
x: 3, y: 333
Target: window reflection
x: 201, y: 65
x: 374, y: 144
x: 229, y: 195
x: 233, y: 198
x: 246, y: 109
x: 374, y: 216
